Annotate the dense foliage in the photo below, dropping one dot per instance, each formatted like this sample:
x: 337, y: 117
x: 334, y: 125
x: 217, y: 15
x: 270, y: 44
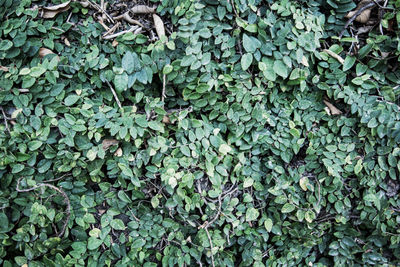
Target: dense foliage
x: 276, y: 142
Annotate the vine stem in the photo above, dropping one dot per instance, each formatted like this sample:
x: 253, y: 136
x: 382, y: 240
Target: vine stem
x: 66, y: 199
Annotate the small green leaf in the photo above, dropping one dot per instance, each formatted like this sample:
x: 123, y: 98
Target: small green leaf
x: 117, y: 224
x: 155, y: 201
x: 281, y: 69
x: 268, y: 224
x: 288, y: 207
x: 224, y: 149
x: 358, y: 167
x: 252, y: 214
x: 138, y: 243
x: 348, y: 63
x: 37, y: 71
x: 128, y: 62
x: 121, y: 82
x: 5, y: 45
x: 94, y: 243
x: 246, y: 61
x: 71, y: 99
x: 34, y: 145
x: 248, y: 182
x: 250, y: 44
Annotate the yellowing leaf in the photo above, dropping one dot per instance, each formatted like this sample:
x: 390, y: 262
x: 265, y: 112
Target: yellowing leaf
x: 303, y: 183
x: 225, y: 149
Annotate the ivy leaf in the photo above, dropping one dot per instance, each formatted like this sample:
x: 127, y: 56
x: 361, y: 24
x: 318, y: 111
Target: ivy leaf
x: 287, y: 208
x: 268, y: 224
x: 121, y: 82
x: 117, y: 224
x: 348, y: 63
x: 94, y: 243
x: 246, y: 61
x: 281, y: 69
x: 128, y: 62
x: 252, y: 214
x: 71, y: 99
x: 250, y: 44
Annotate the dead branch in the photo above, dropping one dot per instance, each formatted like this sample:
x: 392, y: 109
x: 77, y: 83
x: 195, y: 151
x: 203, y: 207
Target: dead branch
x: 120, y: 33
x: 5, y: 120
x: 131, y: 20
x: 115, y: 94
x: 163, y: 96
x: 211, y: 246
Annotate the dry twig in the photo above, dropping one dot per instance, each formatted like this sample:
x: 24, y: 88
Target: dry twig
x: 5, y: 120
x: 112, y: 36
x: 115, y: 94
x: 163, y: 96
x: 131, y: 20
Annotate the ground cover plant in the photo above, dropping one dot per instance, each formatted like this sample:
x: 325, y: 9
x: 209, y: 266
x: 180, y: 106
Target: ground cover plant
x: 199, y: 133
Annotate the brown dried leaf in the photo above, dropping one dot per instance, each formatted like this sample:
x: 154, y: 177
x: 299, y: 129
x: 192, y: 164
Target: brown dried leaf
x: 84, y: 3
x: 142, y: 9
x: 364, y: 16
x: 114, y: 43
x: 159, y: 25
x: 5, y: 69
x: 66, y: 42
x: 334, y: 55
x: 44, y: 52
x: 51, y: 11
x: 109, y: 142
x: 118, y: 153
x: 166, y: 120
x: 333, y: 110
x: 304, y: 61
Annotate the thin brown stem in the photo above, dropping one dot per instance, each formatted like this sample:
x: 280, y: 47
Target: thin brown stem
x: 115, y: 94
x: 66, y: 199
x: 5, y: 120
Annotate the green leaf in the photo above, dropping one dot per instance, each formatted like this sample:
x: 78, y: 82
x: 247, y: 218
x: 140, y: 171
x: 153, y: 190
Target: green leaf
x: 121, y: 82
x: 138, y: 243
x: 268, y: 224
x: 71, y: 99
x: 94, y: 243
x: 156, y: 126
x: 128, y: 62
x: 34, y: 145
x: 250, y: 44
x: 155, y: 201
x: 37, y: 71
x: 252, y: 214
x: 348, y: 63
x: 185, y: 151
x: 248, y: 182
x: 288, y: 208
x: 5, y: 45
x: 246, y: 61
x: 358, y: 167
x: 117, y: 224
x: 224, y: 149
x: 281, y: 69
